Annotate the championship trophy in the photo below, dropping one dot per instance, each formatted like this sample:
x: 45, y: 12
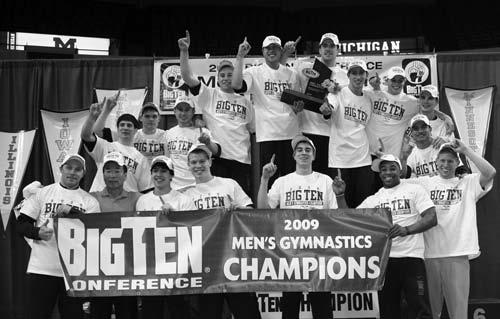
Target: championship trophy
x: 315, y: 91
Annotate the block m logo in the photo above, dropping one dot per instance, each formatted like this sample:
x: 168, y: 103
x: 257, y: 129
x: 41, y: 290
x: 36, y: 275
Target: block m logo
x: 70, y: 44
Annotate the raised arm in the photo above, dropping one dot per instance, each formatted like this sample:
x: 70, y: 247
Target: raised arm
x: 289, y: 48
x: 448, y: 121
x: 267, y: 171
x: 237, y: 80
x: 107, y: 107
x: 86, y: 133
x: 486, y: 170
x: 186, y: 73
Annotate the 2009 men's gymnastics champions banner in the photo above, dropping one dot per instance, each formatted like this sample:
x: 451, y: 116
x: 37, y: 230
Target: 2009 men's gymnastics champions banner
x: 132, y: 253
x: 420, y: 70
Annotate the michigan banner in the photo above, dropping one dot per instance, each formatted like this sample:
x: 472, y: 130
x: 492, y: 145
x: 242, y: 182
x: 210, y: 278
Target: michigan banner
x: 146, y: 253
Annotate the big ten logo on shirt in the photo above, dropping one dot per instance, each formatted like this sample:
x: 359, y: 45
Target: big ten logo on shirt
x: 179, y: 146
x: 50, y: 208
x: 390, y: 111
x: 425, y: 168
x: 446, y: 197
x: 150, y: 147
x: 275, y: 88
x: 231, y: 108
x: 209, y: 201
x: 306, y: 197
x: 397, y: 206
x: 131, y: 163
x: 355, y: 114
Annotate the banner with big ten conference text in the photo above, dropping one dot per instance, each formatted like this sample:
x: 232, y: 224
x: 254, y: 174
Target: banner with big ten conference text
x: 471, y: 111
x: 16, y: 150
x: 140, y: 253
x: 420, y: 71
x: 129, y: 101
x: 62, y: 135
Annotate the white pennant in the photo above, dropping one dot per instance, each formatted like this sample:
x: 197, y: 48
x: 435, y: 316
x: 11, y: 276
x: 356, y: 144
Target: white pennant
x: 471, y: 110
x: 62, y: 134
x: 129, y: 101
x: 15, y: 150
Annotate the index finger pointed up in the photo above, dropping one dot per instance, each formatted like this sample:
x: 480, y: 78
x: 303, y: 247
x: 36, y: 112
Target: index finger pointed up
x: 272, y: 159
x: 339, y: 173
x: 187, y: 35
x: 245, y: 40
x: 298, y: 39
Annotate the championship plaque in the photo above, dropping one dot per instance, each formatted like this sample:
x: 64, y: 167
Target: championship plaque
x: 315, y: 91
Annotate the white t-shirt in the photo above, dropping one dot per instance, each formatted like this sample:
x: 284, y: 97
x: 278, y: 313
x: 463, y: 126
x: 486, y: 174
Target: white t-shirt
x: 391, y: 115
x: 349, y: 145
x: 313, y: 191
x: 455, y: 200
x: 179, y: 140
x: 312, y: 122
x: 406, y: 202
x: 138, y: 172
x: 150, y: 145
x: 178, y: 201
x: 229, y: 117
x: 423, y: 161
x: 44, y: 258
x: 217, y: 192
x: 274, y: 120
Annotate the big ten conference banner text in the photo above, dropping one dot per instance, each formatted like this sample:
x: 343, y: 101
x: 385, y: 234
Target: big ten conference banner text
x: 420, y: 70
x: 146, y: 253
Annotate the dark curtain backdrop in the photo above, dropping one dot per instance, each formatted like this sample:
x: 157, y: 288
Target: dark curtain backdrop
x: 55, y: 85
x: 473, y: 71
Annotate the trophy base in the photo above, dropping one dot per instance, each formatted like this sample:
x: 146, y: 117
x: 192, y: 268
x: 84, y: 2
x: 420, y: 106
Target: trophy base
x: 311, y: 103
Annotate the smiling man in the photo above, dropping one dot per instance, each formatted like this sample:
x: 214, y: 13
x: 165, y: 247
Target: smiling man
x: 212, y: 192
x: 138, y: 176
x: 429, y: 103
x: 413, y: 212
x: 312, y: 190
x: 228, y: 116
x: 45, y: 275
x: 450, y: 245
x: 349, y: 113
x: 276, y: 122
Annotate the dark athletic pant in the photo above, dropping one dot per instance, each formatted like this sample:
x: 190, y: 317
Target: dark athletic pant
x: 321, y: 305
x: 242, y: 305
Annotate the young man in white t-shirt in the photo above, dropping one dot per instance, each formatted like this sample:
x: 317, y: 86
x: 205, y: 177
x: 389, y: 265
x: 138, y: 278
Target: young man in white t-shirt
x: 164, y: 198
x: 276, y: 123
x: 450, y: 245
x: 429, y: 101
x: 211, y: 192
x: 312, y: 124
x: 413, y: 212
x: 316, y: 191
x: 349, y: 113
x: 45, y: 274
x: 228, y: 116
x: 138, y: 176
x: 181, y: 137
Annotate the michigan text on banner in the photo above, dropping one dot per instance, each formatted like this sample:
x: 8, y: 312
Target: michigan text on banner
x: 146, y: 253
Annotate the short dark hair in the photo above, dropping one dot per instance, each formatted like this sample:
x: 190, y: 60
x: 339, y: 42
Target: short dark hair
x: 450, y: 150
x: 127, y: 117
x: 198, y: 151
x: 163, y: 165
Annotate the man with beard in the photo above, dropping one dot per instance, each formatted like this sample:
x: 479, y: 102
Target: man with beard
x: 111, y: 199
x: 211, y: 192
x: 45, y: 274
x: 413, y: 212
x: 228, y: 116
x: 164, y: 198
x: 138, y: 176
x: 303, y: 180
x: 276, y: 122
x: 349, y: 113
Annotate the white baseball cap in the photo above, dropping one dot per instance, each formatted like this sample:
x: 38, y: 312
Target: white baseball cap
x: 359, y: 63
x: 150, y: 106
x: 184, y: 99
x: 271, y: 39
x: 420, y: 117
x: 394, y: 71
x: 75, y: 157
x: 200, y: 146
x: 164, y: 160
x: 331, y: 36
x: 384, y: 158
x: 301, y: 138
x: 433, y: 91
x: 116, y: 157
